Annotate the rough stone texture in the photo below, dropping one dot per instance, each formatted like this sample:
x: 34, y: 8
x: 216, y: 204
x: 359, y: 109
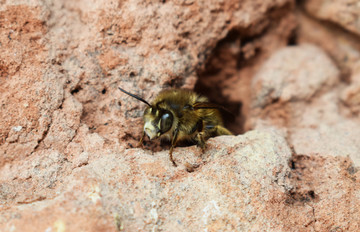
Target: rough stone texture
x: 316, y: 177
x: 341, y: 45
x: 30, y: 90
x: 350, y: 96
x: 140, y: 191
x: 300, y: 98
x: 307, y: 71
x: 227, y: 74
x: 67, y: 134
x: 343, y: 12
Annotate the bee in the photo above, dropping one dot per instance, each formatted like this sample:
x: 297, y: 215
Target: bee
x: 181, y: 115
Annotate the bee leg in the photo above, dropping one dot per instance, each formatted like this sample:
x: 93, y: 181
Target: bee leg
x: 141, y: 140
x: 220, y: 130
x: 171, y: 156
x: 173, y: 143
x: 207, y: 131
x: 200, y: 138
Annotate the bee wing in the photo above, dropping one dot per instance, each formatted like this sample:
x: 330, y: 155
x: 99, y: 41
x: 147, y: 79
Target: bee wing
x: 205, y: 105
x: 209, y: 105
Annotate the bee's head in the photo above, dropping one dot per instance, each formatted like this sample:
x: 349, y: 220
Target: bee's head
x: 157, y: 121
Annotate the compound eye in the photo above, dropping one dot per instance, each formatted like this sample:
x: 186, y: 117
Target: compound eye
x: 166, y: 122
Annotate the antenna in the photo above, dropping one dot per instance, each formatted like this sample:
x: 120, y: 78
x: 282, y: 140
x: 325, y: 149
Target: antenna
x: 134, y: 96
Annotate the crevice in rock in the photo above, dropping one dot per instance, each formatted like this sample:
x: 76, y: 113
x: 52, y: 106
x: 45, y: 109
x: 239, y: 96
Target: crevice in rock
x: 76, y: 89
x: 73, y: 137
x: 81, y: 165
x: 314, y: 216
x: 222, y: 62
x: 42, y: 137
x: 48, y: 127
x: 303, y: 192
x: 299, y: 165
x: 327, y: 23
x: 225, y: 78
x: 41, y: 198
x: 334, y: 28
x: 61, y: 104
x: 292, y: 40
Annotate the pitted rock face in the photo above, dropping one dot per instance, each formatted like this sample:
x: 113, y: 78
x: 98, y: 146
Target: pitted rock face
x: 68, y: 160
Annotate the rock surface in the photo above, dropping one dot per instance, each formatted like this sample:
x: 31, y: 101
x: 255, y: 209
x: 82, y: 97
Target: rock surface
x: 304, y: 89
x: 308, y: 70
x: 346, y: 13
x: 288, y: 71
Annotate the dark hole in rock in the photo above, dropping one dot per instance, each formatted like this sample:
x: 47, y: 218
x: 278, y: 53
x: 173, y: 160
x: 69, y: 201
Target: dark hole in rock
x: 132, y: 74
x: 292, y: 41
x: 217, y: 78
x: 76, y: 90
x: 311, y: 194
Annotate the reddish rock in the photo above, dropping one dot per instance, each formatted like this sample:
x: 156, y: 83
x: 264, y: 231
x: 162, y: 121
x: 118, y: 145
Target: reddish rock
x: 139, y: 190
x: 68, y: 160
x: 295, y: 90
x: 293, y: 74
x: 346, y: 13
x: 341, y: 45
x: 30, y: 88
